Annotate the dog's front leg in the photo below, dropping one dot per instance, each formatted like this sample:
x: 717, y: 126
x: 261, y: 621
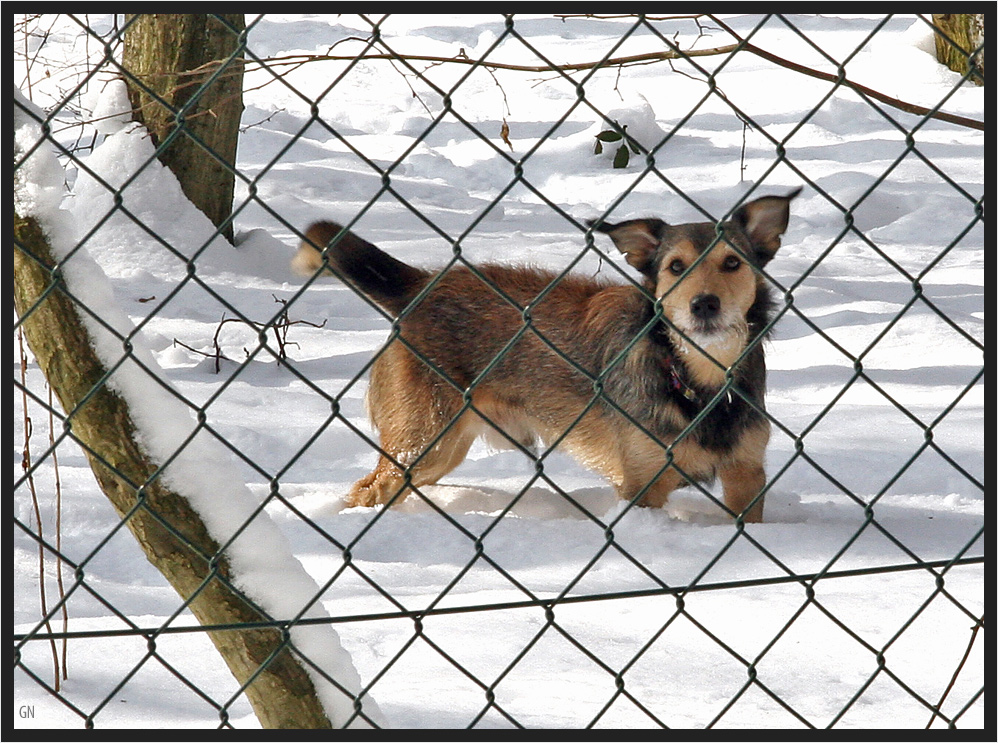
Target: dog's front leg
x: 743, y: 476
x: 742, y: 482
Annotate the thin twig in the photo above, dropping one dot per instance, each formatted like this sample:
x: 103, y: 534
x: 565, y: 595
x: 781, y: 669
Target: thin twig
x: 26, y: 466
x: 936, y: 711
x: 58, y: 533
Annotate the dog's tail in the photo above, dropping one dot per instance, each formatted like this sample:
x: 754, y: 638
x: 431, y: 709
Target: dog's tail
x: 389, y: 282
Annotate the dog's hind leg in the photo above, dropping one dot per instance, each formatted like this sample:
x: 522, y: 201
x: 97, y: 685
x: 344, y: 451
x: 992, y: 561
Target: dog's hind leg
x: 405, y: 465
x: 425, y: 433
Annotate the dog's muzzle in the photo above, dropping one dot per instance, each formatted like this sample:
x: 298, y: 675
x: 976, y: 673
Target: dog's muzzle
x: 705, y: 309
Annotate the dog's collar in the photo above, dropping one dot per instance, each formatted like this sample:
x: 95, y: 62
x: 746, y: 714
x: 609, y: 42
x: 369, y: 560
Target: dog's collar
x: 676, y: 382
x: 670, y: 364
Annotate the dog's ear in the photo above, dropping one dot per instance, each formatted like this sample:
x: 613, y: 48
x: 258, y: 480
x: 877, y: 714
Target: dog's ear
x: 637, y: 239
x: 764, y: 221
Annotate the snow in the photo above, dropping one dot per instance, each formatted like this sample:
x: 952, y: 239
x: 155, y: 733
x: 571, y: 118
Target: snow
x: 877, y: 459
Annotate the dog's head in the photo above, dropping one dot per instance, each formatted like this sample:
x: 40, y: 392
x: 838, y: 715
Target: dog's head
x: 705, y: 274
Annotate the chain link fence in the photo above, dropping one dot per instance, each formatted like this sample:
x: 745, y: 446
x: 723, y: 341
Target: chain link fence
x: 521, y: 594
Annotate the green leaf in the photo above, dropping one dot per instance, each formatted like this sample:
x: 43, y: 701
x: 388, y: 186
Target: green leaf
x: 608, y: 136
x: 622, y: 157
x: 599, y: 147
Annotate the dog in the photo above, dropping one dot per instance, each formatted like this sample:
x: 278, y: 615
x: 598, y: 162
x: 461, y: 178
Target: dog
x: 652, y: 385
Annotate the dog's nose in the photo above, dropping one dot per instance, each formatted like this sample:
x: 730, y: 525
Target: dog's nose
x: 705, y: 306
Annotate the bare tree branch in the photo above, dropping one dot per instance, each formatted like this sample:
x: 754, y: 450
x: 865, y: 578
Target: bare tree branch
x: 642, y: 59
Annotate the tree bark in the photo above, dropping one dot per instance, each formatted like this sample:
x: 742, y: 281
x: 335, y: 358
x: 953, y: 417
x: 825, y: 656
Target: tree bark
x: 169, y: 531
x: 185, y: 77
x: 966, y: 36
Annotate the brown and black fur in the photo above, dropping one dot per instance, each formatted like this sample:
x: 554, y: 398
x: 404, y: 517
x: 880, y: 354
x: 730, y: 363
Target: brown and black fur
x: 518, y: 355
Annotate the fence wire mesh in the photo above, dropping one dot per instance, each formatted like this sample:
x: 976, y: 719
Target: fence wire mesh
x: 522, y: 594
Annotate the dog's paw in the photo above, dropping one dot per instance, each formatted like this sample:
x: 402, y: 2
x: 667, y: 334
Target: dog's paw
x: 696, y: 508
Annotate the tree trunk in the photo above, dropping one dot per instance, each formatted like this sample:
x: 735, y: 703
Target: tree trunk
x: 966, y: 36
x: 279, y: 689
x: 185, y: 79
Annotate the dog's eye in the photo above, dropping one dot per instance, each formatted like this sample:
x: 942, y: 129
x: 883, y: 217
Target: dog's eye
x: 677, y: 267
x: 732, y: 263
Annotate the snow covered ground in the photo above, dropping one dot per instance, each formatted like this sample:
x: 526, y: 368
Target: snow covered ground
x: 899, y: 297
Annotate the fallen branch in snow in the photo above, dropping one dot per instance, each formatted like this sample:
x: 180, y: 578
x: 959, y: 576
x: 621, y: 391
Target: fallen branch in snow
x: 280, y: 328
